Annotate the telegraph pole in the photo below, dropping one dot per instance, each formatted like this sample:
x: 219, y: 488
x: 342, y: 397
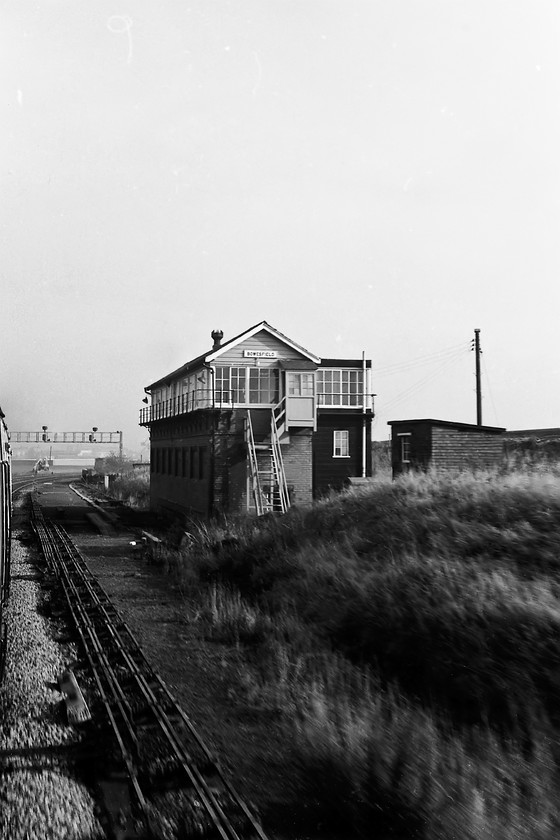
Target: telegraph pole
x: 477, y: 352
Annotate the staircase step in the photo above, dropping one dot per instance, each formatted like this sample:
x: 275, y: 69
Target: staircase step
x: 268, y: 477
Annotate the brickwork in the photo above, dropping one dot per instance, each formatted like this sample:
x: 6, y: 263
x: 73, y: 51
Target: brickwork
x: 230, y: 464
x: 180, y: 473
x: 298, y: 466
x: 454, y: 449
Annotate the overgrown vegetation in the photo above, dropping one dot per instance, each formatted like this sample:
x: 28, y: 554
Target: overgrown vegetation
x: 128, y: 484
x: 133, y: 488
x: 408, y: 635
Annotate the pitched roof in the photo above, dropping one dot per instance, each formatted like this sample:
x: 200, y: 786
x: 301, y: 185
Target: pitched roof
x: 216, y: 352
x: 262, y: 325
x: 192, y: 365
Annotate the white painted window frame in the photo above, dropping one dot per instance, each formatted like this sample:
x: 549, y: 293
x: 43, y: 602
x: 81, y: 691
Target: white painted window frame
x: 404, y: 446
x: 340, y: 436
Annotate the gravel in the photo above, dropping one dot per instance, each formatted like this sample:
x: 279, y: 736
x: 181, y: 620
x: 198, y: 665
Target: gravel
x: 38, y: 796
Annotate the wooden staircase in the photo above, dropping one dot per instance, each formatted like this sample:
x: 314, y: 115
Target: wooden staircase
x: 268, y: 479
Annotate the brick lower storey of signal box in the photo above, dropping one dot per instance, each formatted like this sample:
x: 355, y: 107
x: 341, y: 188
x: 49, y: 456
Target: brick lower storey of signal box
x: 199, y: 463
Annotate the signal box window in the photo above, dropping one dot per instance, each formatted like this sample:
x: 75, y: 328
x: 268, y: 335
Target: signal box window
x: 263, y: 385
x: 238, y: 384
x: 247, y: 384
x: 341, y: 444
x: 340, y: 387
x: 223, y: 384
x: 301, y: 384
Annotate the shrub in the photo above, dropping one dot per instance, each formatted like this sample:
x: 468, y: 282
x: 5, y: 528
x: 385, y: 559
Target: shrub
x: 232, y: 619
x: 132, y: 488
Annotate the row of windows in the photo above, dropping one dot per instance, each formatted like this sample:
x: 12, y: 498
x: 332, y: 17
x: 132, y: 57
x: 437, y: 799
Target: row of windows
x: 340, y: 387
x: 188, y: 392
x: 184, y: 462
x: 259, y: 385
x: 255, y: 385
x: 247, y: 384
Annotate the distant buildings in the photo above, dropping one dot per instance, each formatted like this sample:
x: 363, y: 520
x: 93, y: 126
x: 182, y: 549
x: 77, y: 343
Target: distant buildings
x: 256, y: 424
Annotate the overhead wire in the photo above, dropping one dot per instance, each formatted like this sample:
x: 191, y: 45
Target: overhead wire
x: 429, y: 358
x: 417, y: 385
x: 487, y: 379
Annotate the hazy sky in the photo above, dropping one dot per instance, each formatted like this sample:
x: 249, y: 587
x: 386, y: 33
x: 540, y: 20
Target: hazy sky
x: 378, y: 176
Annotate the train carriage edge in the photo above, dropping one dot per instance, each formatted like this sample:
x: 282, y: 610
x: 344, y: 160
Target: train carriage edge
x: 5, y: 529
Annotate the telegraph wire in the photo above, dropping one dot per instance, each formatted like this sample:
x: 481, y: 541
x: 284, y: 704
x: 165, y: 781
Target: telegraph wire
x: 487, y: 379
x: 428, y: 377
x: 430, y: 358
x: 405, y: 368
x: 417, y: 385
x: 430, y: 355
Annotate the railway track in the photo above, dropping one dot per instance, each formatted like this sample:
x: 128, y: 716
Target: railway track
x: 24, y: 482
x: 163, y: 780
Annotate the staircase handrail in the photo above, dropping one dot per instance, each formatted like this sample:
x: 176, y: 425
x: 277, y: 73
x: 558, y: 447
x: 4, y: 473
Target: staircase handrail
x: 255, y: 479
x: 279, y: 413
x: 279, y: 465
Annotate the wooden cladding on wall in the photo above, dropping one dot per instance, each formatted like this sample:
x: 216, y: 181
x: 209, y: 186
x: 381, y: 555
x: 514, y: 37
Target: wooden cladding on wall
x: 329, y: 472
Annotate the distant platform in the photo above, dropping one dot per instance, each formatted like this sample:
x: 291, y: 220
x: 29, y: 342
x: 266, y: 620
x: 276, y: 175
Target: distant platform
x: 82, y: 463
x: 57, y: 465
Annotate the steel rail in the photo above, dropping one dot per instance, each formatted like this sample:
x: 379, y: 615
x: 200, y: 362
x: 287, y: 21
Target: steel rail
x: 20, y: 483
x: 18, y: 486
x: 83, y: 627
x: 89, y: 605
x: 199, y: 784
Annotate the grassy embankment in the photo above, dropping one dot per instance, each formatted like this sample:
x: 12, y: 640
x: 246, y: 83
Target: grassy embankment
x: 408, y: 634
